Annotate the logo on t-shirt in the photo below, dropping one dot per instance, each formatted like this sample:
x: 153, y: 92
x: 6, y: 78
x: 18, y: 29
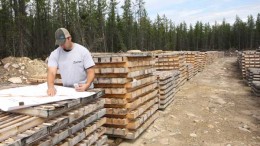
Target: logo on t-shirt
x: 75, y: 62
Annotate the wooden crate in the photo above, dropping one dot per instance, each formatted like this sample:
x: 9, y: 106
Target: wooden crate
x: 172, y: 61
x: 167, y: 87
x: 130, y: 90
x: 68, y: 122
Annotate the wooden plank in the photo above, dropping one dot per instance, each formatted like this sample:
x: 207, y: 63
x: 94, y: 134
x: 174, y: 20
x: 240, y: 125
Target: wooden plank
x: 10, y: 118
x: 132, y: 95
x: 140, y: 110
x: 166, y: 100
x: 141, y: 100
x: 58, y: 123
x: 163, y: 106
x: 128, y: 87
x: 141, y: 62
x: 123, y: 90
x: 127, y: 134
x: 116, y: 111
x: 86, y: 124
x: 167, y: 90
x: 133, y: 125
x: 14, y: 121
x: 106, y: 80
x: 129, y: 113
x: 20, y: 127
x: 101, y: 141
x: 81, y: 136
x: 170, y: 93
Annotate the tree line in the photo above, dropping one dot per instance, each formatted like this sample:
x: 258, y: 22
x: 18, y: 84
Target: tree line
x: 27, y: 28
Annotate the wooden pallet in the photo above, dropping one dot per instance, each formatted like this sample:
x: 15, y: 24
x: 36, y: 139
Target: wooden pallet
x: 13, y: 124
x: 167, y: 87
x: 248, y: 59
x: 132, y: 134
x: 87, y: 114
x: 130, y: 88
x: 166, y: 103
x: 132, y: 123
x: 65, y: 137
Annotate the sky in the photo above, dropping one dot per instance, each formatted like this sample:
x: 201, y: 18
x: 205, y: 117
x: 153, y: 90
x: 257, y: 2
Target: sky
x: 206, y: 11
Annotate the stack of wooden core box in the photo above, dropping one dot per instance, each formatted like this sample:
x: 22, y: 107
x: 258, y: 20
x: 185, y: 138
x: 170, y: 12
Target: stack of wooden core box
x: 249, y: 59
x: 256, y: 88
x: 201, y: 61
x: 213, y: 55
x: 167, y: 86
x: 172, y: 61
x: 70, y: 122
x: 189, y: 70
x: 131, y: 92
x: 239, y: 60
x: 191, y: 57
x: 253, y: 80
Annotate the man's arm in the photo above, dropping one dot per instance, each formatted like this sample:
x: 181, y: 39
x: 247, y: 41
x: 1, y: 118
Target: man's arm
x: 51, y: 91
x: 91, y: 75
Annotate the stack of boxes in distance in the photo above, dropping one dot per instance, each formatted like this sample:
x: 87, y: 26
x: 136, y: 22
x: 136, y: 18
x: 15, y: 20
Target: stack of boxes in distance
x: 254, y: 80
x: 213, y: 55
x: 191, y: 57
x: 172, y: 61
x: 250, y: 59
x: 202, y: 60
x: 171, y: 74
x: 167, y: 86
x: 249, y: 63
x: 131, y: 92
x: 69, y: 122
x: 189, y: 70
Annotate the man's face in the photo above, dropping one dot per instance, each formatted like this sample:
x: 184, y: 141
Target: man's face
x: 67, y: 43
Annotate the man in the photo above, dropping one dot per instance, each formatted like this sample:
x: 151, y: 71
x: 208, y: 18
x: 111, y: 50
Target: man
x: 73, y: 61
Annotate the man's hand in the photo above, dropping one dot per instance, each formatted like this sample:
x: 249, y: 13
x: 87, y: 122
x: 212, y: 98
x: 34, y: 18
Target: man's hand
x: 51, y: 91
x: 82, y: 87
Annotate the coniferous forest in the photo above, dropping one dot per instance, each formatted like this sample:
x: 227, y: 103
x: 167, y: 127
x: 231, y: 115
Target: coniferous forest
x: 27, y: 28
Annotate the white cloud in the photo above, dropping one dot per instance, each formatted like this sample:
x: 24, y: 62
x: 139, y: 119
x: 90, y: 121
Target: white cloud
x: 209, y: 14
x: 205, y: 11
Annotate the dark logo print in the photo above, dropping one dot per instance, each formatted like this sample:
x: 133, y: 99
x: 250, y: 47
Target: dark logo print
x: 74, y: 62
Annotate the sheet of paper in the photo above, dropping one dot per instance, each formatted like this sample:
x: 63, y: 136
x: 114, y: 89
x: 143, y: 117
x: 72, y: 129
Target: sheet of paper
x: 36, y: 95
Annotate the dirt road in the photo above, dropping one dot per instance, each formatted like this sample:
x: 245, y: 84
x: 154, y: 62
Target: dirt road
x: 214, y: 108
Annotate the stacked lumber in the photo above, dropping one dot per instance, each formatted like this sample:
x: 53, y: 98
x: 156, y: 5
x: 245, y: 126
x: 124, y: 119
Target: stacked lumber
x: 182, y: 69
x: 249, y: 64
x: 192, y: 57
x: 172, y: 61
x: 253, y: 75
x: 190, y: 70
x: 253, y: 80
x: 201, y: 61
x: 256, y: 88
x: 212, y: 56
x: 249, y: 59
x: 69, y: 122
x: 167, y: 86
x: 131, y: 92
x: 239, y: 60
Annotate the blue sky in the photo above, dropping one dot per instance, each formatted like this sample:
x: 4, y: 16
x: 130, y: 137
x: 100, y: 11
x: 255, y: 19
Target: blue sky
x: 210, y: 11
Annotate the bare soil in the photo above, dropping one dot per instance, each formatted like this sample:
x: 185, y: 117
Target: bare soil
x: 214, y: 108
x: 22, y: 67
